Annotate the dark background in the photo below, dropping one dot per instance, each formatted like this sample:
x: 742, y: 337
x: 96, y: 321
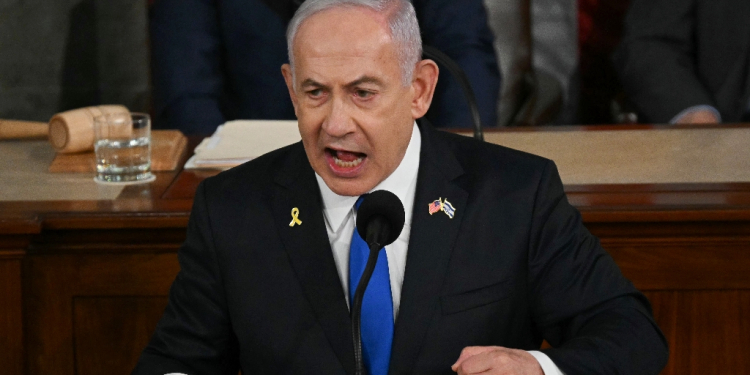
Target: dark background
x: 57, y: 55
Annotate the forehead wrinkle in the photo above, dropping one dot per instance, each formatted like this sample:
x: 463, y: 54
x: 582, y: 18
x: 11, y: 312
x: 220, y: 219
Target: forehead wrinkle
x: 360, y: 48
x: 314, y: 71
x: 366, y: 79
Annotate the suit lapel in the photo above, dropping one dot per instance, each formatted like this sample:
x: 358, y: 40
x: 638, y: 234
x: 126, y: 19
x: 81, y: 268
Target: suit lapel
x: 430, y: 246
x: 310, y: 251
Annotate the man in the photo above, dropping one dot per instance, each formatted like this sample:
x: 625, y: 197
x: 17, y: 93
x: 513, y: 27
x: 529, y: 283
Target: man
x: 687, y: 61
x: 475, y: 285
x: 215, y: 61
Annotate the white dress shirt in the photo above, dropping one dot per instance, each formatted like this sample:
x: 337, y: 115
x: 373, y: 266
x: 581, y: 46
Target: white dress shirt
x: 340, y: 217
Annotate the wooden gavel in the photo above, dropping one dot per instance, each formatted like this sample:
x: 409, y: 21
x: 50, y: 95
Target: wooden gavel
x: 68, y: 132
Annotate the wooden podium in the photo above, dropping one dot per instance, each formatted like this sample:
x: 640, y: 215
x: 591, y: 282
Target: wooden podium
x: 84, y: 279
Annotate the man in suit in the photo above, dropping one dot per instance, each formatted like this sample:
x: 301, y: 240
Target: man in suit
x: 687, y: 61
x: 215, y: 61
x: 473, y: 287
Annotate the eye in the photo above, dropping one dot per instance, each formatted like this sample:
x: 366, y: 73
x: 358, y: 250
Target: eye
x: 315, y: 93
x: 363, y: 94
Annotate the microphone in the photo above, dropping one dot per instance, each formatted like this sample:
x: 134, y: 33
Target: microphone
x: 380, y: 220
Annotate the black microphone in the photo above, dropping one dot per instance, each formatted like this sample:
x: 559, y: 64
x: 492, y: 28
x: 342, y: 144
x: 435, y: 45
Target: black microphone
x: 380, y: 219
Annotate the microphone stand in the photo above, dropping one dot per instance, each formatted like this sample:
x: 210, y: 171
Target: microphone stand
x: 357, y: 308
x: 463, y: 81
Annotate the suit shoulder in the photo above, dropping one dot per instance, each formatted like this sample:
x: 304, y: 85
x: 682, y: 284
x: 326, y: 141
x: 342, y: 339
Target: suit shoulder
x: 490, y: 167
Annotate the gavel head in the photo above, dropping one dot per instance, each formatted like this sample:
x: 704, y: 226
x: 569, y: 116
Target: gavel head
x: 73, y: 131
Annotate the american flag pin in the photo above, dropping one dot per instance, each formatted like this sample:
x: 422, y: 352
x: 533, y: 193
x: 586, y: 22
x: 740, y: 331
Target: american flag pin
x: 436, y: 206
x: 442, y: 205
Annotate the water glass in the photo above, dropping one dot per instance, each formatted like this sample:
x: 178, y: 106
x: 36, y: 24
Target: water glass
x: 122, y: 144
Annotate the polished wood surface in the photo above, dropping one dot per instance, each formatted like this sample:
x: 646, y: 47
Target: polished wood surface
x: 82, y: 283
x: 708, y: 331
x: 167, y: 149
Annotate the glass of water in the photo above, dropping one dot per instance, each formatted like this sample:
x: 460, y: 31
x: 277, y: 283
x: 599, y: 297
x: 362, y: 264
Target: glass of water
x: 122, y: 144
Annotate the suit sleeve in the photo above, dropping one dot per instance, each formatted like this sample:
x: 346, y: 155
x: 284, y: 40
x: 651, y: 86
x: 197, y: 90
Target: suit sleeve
x: 460, y: 30
x: 194, y: 336
x: 656, y: 59
x: 592, y: 316
x: 186, y: 65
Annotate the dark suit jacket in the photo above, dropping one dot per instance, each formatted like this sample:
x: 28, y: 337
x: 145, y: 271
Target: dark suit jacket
x: 679, y: 53
x: 515, y: 265
x: 215, y: 61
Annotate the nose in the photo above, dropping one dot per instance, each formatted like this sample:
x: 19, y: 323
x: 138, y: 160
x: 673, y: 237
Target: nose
x: 339, y: 121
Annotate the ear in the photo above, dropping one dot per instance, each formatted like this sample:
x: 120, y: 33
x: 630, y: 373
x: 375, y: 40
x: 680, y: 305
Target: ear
x: 423, y: 87
x: 286, y: 71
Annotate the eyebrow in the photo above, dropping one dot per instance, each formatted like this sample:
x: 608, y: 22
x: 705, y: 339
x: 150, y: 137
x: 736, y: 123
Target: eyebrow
x: 311, y: 83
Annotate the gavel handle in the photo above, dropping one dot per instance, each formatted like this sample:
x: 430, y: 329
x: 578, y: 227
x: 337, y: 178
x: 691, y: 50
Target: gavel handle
x: 15, y: 129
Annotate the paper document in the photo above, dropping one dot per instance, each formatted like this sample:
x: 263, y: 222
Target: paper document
x: 239, y: 141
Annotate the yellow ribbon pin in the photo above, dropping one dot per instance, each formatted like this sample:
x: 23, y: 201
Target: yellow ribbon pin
x: 295, y: 219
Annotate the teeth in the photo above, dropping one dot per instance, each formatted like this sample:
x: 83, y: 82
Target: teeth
x: 347, y: 164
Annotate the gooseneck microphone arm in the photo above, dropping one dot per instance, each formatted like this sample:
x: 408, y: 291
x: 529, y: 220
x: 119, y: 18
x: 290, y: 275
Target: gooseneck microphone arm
x: 372, y: 260
x: 463, y: 81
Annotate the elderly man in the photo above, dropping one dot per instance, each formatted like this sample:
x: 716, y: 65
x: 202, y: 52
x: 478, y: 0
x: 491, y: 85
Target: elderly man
x: 491, y: 261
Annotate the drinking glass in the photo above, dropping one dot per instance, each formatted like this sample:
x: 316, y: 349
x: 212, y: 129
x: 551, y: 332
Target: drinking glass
x: 122, y: 144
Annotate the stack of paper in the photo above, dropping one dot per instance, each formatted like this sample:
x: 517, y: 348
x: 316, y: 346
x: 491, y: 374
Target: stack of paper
x: 239, y: 141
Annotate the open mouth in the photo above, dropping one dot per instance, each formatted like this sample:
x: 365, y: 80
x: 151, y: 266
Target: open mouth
x: 345, y: 159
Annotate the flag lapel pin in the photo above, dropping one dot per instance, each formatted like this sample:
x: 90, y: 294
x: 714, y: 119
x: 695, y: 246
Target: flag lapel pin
x: 448, y: 208
x: 436, y: 206
x: 442, y: 205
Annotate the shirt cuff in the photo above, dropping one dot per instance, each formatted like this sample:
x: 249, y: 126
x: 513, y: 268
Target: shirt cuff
x: 548, y: 367
x: 696, y: 108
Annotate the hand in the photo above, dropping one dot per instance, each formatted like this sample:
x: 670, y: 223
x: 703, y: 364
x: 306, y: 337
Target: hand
x: 496, y: 360
x: 698, y: 117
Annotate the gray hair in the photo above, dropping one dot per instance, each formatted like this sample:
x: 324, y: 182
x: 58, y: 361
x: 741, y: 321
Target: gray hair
x: 401, y: 18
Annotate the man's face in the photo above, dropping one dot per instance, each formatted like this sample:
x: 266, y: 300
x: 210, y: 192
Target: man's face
x: 355, y: 115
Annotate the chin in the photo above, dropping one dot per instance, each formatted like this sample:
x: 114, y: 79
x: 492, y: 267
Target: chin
x: 347, y: 187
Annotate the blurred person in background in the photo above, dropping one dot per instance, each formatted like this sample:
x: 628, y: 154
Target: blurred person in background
x: 215, y: 61
x: 687, y: 61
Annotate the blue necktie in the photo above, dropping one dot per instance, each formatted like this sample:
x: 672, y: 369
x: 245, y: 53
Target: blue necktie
x: 377, y: 305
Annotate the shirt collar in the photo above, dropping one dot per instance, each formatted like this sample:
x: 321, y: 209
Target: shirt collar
x: 337, y: 207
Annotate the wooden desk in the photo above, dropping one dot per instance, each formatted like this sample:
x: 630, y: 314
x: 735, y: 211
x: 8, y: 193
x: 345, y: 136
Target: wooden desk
x: 83, y: 283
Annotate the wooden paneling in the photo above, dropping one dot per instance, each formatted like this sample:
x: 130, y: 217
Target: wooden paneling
x: 699, y: 288
x: 683, y: 263
x: 11, y: 322
x: 708, y: 331
x: 56, y: 281
x: 110, y: 332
